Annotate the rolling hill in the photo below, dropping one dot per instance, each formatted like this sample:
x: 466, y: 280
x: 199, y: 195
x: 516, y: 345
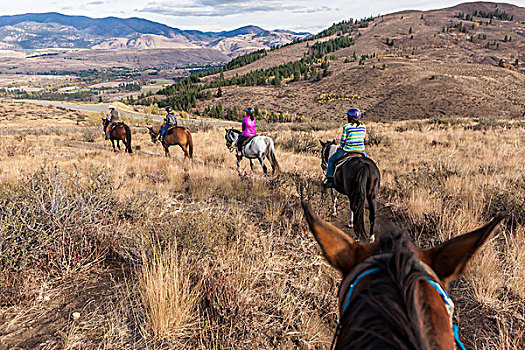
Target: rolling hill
x: 466, y: 60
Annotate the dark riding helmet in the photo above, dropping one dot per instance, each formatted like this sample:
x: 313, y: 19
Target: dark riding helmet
x: 168, y: 109
x: 250, y: 111
x: 354, y: 113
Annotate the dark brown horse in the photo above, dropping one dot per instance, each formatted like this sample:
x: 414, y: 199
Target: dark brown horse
x: 174, y: 136
x: 359, y: 179
x: 393, y: 293
x: 119, y: 132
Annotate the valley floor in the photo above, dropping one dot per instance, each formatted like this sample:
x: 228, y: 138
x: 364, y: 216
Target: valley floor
x: 110, y: 250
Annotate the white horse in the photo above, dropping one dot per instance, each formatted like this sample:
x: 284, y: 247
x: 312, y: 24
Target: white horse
x: 259, y: 147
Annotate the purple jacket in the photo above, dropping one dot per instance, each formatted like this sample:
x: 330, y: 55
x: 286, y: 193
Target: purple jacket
x: 248, y: 127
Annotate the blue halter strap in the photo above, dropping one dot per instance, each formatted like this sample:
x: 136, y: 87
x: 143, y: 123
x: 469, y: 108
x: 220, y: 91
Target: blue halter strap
x: 442, y: 293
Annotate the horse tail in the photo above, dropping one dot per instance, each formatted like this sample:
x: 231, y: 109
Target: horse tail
x: 273, y: 159
x: 128, y: 138
x: 358, y: 198
x: 190, y: 144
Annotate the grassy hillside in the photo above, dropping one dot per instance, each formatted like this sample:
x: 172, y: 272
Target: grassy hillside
x: 465, y: 61
x: 108, y: 250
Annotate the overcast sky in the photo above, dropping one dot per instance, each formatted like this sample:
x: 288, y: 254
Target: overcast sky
x: 217, y: 15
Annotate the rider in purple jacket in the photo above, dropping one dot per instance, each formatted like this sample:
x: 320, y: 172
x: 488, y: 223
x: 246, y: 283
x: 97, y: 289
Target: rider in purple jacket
x: 248, y: 129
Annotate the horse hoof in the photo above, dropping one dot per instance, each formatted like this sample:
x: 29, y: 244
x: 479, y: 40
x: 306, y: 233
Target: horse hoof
x: 350, y: 225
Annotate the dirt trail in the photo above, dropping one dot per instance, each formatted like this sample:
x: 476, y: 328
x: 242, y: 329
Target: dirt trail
x: 384, y: 217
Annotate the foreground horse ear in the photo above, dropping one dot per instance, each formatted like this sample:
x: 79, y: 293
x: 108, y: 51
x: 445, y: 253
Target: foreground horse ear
x: 341, y: 251
x: 322, y: 143
x: 450, y: 258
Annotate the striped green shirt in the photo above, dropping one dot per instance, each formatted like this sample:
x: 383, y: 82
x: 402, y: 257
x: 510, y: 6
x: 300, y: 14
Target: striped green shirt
x: 353, y: 138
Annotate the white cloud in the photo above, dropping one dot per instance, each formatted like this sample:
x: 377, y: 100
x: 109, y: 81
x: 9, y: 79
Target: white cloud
x: 220, y: 8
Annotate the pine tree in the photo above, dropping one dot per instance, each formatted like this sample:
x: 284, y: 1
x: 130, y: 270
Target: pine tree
x: 219, y: 92
x: 296, y: 74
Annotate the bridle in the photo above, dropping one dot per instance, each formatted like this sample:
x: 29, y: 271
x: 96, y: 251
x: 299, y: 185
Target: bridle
x: 365, y: 269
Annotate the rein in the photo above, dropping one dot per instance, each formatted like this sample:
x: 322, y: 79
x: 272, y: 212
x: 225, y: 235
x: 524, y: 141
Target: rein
x: 449, y: 304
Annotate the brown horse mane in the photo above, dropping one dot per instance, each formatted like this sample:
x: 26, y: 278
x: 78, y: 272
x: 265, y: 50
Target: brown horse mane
x: 382, y: 313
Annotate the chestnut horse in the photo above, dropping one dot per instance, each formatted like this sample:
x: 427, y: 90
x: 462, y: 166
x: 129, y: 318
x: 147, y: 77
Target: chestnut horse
x: 392, y: 295
x: 177, y: 135
x: 119, y: 132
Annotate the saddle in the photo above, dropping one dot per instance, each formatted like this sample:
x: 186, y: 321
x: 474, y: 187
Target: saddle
x: 168, y: 130
x: 347, y: 157
x: 115, y: 124
x: 246, y: 140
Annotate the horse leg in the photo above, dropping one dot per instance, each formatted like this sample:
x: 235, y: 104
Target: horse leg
x: 239, y: 164
x: 167, y: 151
x: 351, y: 222
x: 113, y: 144
x: 358, y: 209
x: 261, y: 160
x: 185, y: 150
x: 333, y: 194
x: 251, y: 165
x: 118, y: 144
x: 372, y: 214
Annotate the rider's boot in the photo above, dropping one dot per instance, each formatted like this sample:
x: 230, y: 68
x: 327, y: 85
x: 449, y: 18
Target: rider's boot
x: 107, y: 137
x: 328, y: 182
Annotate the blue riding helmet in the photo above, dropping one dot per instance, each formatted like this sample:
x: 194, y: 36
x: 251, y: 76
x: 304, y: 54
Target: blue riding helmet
x: 168, y: 109
x: 354, y: 112
x: 250, y: 110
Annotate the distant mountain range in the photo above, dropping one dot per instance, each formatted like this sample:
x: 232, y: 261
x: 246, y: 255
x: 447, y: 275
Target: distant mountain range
x: 55, y: 30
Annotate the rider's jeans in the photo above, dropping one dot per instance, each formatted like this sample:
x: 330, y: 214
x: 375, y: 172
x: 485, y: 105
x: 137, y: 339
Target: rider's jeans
x: 163, y: 131
x: 332, y: 160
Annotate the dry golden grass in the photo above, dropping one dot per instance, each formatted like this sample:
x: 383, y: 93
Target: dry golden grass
x: 193, y: 256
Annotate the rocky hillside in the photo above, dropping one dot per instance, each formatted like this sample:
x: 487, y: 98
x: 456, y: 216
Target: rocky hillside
x: 54, y: 30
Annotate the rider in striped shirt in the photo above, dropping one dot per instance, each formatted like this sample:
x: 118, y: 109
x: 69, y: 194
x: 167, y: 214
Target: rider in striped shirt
x: 352, y: 140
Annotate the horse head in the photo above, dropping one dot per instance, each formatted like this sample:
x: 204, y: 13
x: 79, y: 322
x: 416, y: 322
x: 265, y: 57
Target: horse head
x: 230, y: 138
x: 152, y: 134
x: 325, y: 152
x: 392, y: 287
